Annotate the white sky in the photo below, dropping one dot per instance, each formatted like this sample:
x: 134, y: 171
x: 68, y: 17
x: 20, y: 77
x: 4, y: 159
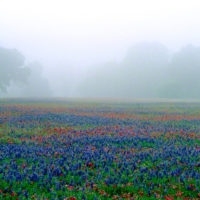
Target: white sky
x: 73, y: 34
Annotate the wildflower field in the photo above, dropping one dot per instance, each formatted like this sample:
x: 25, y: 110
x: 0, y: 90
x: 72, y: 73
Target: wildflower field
x: 62, y: 149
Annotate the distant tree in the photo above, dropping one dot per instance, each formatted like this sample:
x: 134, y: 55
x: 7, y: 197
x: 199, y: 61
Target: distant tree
x: 12, y: 68
x: 138, y: 75
x: 183, y: 75
x: 21, y: 79
x: 37, y: 85
x: 144, y: 68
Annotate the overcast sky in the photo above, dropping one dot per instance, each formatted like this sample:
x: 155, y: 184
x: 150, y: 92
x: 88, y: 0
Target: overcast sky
x: 70, y: 35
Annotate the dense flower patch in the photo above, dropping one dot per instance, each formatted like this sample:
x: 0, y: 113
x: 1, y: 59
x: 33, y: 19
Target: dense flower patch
x: 66, y: 150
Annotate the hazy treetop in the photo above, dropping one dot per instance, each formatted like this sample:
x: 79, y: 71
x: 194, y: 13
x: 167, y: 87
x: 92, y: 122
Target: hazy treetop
x: 11, y: 67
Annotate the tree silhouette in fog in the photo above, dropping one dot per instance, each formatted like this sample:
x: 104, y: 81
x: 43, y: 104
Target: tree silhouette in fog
x: 19, y: 78
x: 183, y: 74
x: 148, y: 70
x: 138, y: 75
x: 12, y: 68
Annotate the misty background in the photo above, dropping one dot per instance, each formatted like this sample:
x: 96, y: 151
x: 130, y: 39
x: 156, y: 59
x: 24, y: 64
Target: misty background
x: 100, y: 49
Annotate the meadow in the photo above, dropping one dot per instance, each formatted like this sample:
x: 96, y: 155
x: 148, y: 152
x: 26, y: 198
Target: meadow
x: 67, y: 149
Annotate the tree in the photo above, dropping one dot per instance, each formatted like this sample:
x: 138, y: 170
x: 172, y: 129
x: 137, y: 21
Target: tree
x: 183, y: 77
x: 12, y: 68
x: 19, y: 78
x: 139, y: 75
x: 144, y: 69
x: 37, y: 85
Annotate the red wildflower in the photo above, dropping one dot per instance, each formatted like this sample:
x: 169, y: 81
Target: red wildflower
x: 174, y: 186
x: 102, y: 192
x: 169, y: 198
x: 69, y: 187
x: 72, y: 198
x: 90, y: 164
x: 141, y: 194
x: 179, y: 193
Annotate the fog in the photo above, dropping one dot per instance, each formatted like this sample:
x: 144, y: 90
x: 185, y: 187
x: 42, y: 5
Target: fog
x: 100, y: 49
